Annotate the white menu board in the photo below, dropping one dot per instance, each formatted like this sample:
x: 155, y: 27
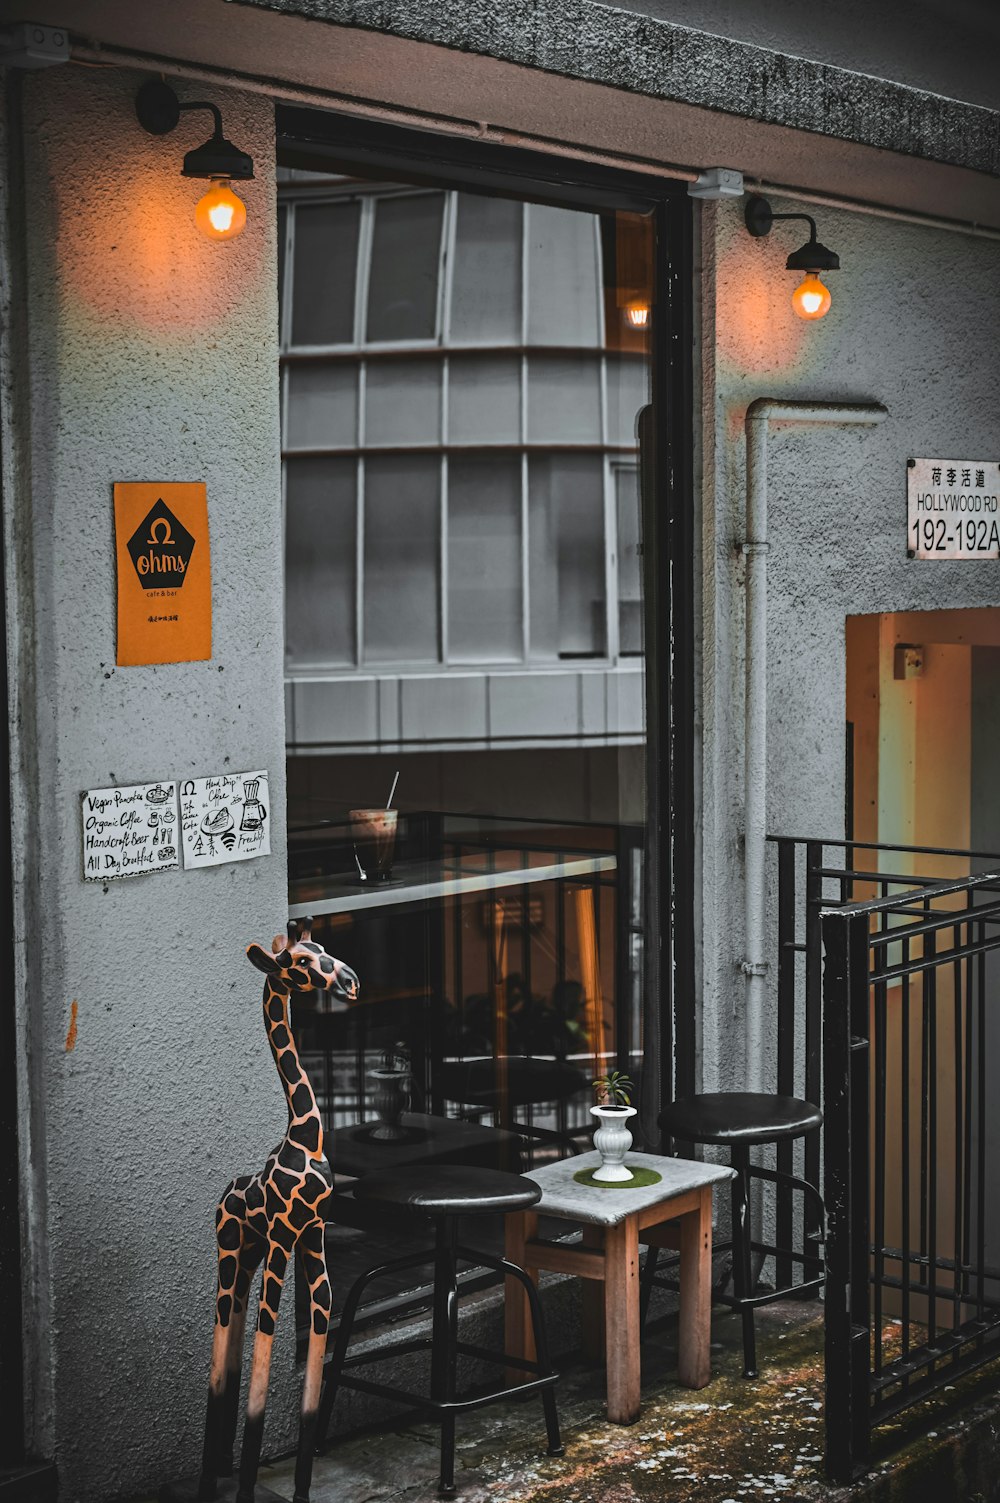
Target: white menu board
x: 225, y: 818
x: 128, y: 831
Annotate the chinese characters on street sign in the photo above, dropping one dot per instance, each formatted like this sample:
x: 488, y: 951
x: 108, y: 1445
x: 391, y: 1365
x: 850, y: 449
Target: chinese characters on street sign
x: 953, y: 508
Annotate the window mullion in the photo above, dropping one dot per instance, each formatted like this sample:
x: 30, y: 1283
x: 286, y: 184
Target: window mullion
x: 366, y: 231
x: 523, y: 436
x: 612, y: 646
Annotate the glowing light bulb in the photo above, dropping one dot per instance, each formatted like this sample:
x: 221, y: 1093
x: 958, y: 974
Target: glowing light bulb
x: 811, y: 299
x: 637, y: 314
x: 220, y: 214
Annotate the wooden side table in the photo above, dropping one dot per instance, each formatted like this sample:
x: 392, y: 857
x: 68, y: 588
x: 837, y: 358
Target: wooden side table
x: 677, y: 1213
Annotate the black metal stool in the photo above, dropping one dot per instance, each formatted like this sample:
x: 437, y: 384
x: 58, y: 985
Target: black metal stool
x: 739, y: 1120
x: 443, y: 1192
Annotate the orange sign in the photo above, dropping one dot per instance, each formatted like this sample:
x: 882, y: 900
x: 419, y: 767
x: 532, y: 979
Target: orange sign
x: 164, y: 573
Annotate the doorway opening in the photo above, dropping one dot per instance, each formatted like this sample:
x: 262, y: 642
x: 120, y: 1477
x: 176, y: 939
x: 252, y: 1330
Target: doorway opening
x: 923, y: 711
x: 487, y: 679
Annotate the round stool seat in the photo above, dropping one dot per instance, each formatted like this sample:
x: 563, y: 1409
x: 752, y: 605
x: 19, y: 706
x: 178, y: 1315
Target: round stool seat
x: 450, y: 1190
x: 739, y: 1117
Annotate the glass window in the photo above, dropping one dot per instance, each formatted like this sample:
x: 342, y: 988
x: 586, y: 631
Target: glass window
x: 628, y: 380
x: 566, y: 556
x: 320, y: 529
x: 629, y: 561
x: 402, y: 559
x: 486, y: 281
x: 324, y: 269
x: 564, y: 399
x: 322, y: 406
x: 564, y: 296
x: 403, y: 401
x: 484, y: 399
x: 484, y: 560
x: 406, y: 253
x: 496, y: 496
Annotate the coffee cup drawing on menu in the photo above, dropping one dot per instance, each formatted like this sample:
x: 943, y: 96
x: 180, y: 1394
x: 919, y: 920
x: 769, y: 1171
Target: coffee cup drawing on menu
x: 374, y: 832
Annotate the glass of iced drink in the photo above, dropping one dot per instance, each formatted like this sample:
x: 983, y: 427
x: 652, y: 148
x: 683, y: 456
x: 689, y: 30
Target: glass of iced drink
x: 374, y: 832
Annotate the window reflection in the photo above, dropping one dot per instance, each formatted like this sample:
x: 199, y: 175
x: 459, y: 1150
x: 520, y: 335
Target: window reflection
x: 464, y: 604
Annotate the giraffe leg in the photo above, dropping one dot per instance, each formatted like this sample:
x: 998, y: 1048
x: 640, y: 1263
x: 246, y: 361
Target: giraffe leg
x: 253, y: 1430
x: 251, y: 1253
x: 313, y: 1248
x: 229, y: 1234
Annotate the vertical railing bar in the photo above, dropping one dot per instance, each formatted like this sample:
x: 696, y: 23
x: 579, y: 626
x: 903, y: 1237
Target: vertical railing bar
x: 786, y: 1046
x: 956, y: 1314
x: 879, y: 1002
x: 904, y: 1087
x: 924, y: 1101
x: 967, y: 1023
x: 814, y: 1017
x: 981, y: 1135
x: 930, y: 947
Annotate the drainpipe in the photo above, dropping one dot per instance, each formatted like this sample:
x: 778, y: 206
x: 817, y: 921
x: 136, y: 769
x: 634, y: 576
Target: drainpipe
x: 761, y: 413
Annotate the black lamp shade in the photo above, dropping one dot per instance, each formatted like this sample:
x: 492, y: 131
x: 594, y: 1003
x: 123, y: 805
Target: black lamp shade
x: 218, y: 158
x: 813, y: 257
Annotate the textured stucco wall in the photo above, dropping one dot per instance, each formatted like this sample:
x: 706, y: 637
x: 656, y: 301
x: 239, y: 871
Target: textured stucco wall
x: 153, y: 355
x: 914, y: 324
x: 643, y: 53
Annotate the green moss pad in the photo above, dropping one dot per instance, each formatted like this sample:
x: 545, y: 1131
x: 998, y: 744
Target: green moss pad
x: 640, y: 1179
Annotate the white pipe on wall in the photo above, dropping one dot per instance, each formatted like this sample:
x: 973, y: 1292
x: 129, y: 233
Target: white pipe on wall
x: 760, y: 414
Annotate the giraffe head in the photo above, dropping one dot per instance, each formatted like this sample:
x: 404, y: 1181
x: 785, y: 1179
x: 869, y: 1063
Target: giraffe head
x: 305, y: 966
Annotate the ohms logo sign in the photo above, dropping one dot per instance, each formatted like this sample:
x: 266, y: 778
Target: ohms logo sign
x: 160, y: 549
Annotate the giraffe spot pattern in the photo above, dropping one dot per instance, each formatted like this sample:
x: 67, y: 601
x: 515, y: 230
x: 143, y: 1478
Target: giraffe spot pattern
x: 261, y: 1218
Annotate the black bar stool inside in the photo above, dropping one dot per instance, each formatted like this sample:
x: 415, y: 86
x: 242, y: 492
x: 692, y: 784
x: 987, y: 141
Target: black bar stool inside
x: 442, y: 1193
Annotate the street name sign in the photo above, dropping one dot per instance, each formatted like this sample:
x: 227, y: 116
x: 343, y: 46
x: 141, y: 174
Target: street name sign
x: 952, y: 508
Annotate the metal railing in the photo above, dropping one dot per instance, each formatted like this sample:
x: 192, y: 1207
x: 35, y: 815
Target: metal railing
x: 912, y: 1294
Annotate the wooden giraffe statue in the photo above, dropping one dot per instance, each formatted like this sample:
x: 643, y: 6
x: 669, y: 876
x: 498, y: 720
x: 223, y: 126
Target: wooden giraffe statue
x: 263, y: 1218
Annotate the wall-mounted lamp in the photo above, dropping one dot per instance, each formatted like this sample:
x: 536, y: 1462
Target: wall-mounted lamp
x: 811, y: 299
x: 219, y: 214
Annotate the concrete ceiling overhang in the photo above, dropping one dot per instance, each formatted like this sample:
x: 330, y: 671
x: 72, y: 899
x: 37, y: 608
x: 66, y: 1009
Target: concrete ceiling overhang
x: 583, y: 75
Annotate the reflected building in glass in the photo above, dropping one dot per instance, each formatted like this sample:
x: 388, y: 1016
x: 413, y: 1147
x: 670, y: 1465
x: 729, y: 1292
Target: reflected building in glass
x: 462, y: 379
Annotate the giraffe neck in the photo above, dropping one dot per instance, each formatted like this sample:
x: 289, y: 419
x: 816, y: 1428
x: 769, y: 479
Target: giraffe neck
x: 305, y: 1126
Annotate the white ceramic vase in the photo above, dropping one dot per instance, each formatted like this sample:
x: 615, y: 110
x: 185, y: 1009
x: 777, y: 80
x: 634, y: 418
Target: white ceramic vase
x: 612, y: 1140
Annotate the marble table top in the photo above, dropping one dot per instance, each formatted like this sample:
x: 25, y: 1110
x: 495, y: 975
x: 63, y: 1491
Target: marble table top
x: 563, y: 1196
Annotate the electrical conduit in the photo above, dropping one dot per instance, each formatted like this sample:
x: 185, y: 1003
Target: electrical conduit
x: 760, y: 415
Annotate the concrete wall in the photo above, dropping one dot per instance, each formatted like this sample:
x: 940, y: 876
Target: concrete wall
x: 914, y: 324
x: 151, y: 355
x: 938, y: 45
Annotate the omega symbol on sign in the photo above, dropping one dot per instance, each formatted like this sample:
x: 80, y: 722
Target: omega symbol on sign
x: 161, y: 549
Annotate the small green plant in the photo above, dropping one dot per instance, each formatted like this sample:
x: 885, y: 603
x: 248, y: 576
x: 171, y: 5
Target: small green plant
x: 614, y: 1089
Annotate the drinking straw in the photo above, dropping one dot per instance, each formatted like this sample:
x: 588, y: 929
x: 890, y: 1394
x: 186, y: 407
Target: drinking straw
x: 392, y: 790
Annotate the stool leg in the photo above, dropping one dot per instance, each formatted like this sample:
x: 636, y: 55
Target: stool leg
x: 742, y: 1276
x: 444, y: 1336
x: 541, y: 1353
x: 335, y: 1364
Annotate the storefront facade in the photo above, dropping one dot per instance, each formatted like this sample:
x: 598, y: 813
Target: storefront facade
x: 135, y: 350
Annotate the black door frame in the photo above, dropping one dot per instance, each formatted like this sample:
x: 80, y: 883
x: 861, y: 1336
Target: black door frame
x: 314, y: 139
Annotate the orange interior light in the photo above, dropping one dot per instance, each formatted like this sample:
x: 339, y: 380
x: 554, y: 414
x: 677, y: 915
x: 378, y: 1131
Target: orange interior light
x: 637, y: 313
x: 220, y: 214
x: 811, y: 298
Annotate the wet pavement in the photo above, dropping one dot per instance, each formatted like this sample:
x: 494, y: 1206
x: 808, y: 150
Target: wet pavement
x: 733, y: 1440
